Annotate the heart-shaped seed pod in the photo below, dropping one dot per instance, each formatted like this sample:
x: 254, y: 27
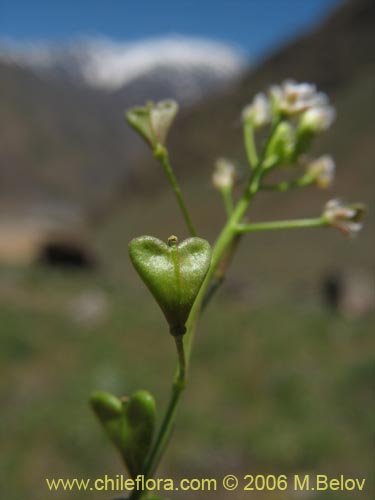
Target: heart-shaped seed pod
x: 130, y: 424
x: 173, y: 273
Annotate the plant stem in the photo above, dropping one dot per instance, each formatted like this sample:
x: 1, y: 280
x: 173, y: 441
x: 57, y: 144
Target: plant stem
x: 228, y: 200
x: 169, y: 417
x: 181, y: 375
x: 225, y: 239
x: 282, y: 187
x: 228, y: 233
x: 282, y: 224
x: 162, y: 155
x: 223, y: 245
x: 220, y: 271
x: 251, y: 151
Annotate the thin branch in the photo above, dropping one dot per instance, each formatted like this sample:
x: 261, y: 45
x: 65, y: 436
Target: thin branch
x: 162, y: 155
x: 282, y: 224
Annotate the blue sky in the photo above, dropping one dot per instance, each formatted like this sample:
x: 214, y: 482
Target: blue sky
x: 254, y: 25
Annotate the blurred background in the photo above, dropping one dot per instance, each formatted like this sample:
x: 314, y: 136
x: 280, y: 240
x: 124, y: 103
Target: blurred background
x: 282, y: 376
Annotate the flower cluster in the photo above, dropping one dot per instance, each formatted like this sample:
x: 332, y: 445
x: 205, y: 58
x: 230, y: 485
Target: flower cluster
x: 298, y: 112
x: 291, y: 99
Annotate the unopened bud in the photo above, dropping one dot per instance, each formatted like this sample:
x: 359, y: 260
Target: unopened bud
x: 345, y: 217
x: 321, y: 171
x: 258, y: 112
x: 317, y: 119
x: 224, y: 175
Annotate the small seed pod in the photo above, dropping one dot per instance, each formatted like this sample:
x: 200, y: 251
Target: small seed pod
x: 153, y: 121
x: 130, y: 424
x: 173, y: 273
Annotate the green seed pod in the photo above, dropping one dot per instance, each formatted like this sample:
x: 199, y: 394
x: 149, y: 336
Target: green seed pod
x: 130, y: 424
x: 140, y: 413
x: 153, y: 121
x: 173, y: 273
x: 105, y: 405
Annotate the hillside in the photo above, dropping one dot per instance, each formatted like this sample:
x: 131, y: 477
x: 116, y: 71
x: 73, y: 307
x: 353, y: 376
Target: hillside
x: 68, y: 143
x: 64, y: 136
x: 338, y: 57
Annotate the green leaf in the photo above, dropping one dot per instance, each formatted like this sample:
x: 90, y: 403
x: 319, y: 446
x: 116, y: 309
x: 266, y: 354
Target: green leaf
x: 173, y: 273
x: 130, y: 424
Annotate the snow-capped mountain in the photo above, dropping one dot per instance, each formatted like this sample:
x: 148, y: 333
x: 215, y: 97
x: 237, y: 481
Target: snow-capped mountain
x: 184, y: 68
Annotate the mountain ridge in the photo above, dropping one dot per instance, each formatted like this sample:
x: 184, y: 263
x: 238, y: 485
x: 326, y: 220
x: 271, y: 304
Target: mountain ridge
x: 70, y: 143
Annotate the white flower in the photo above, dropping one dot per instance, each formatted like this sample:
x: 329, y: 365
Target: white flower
x: 318, y: 119
x: 345, y: 217
x: 293, y: 98
x: 224, y: 174
x: 259, y: 111
x: 322, y: 171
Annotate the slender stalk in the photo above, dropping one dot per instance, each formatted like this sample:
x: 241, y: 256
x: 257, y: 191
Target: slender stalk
x: 282, y: 224
x: 166, y: 427
x: 221, y: 269
x: 225, y: 239
x: 228, y: 235
x: 162, y: 155
x: 181, y: 375
x: 169, y: 417
x: 251, y: 150
x: 282, y: 187
x: 228, y: 200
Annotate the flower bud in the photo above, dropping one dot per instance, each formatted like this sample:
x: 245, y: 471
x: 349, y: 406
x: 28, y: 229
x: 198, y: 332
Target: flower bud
x: 224, y: 174
x: 258, y: 112
x: 282, y: 145
x: 153, y: 121
x: 317, y: 119
x: 321, y: 171
x: 345, y: 217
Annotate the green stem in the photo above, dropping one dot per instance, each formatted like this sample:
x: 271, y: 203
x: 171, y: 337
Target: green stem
x: 251, y: 151
x: 162, y: 155
x: 228, y: 200
x: 169, y: 417
x: 282, y: 224
x: 224, y: 241
x: 228, y: 233
x: 220, y: 271
x: 181, y: 375
x: 282, y: 187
